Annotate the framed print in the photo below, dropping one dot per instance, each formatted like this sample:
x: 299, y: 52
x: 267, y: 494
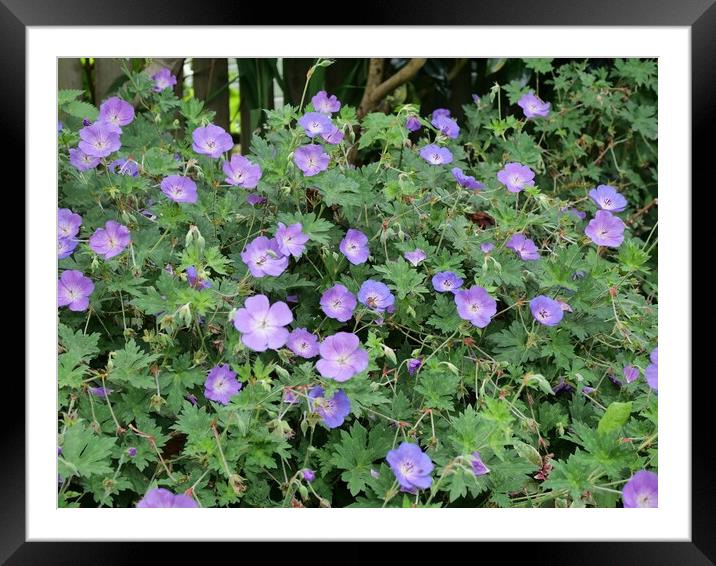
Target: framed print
x: 318, y: 289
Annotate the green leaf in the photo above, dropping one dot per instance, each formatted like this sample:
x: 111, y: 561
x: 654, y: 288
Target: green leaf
x: 65, y: 96
x: 616, y: 416
x: 356, y: 453
x: 79, y: 349
x: 80, y: 109
x: 131, y: 365
x: 84, y: 453
x: 404, y: 279
x: 337, y: 189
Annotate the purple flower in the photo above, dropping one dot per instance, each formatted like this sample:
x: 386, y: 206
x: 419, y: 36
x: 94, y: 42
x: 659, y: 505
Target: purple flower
x: 221, y: 384
x: 290, y: 239
x: 179, y: 189
x: 338, y: 303
x: 131, y: 451
x: 334, y: 135
x: 65, y: 247
x: 254, y: 199
x: 309, y: 475
x: 515, y: 177
x: 413, y: 124
x: 99, y: 140
x: 631, y: 373
x: 110, y: 240
x: 311, y: 159
x: 262, y: 324
x: 325, y: 104
x: 652, y: 370
x: 606, y: 197
x: 375, y: 295
x: 615, y: 380
x: 81, y: 161
x: 487, y: 247
x: 533, y: 106
x: 303, y: 343
x: 68, y: 223
x: 124, y: 167
x: 315, y: 123
x: 524, y: 247
x: 415, y: 257
x: 411, y: 466
x: 163, y: 79
x: 466, y: 181
x: 86, y: 122
x: 588, y: 390
x: 445, y: 281
x: 476, y: 305
x: 642, y: 490
x: 263, y: 257
x: 478, y: 466
x: 100, y: 391
x: 439, y: 112
x: 332, y: 411
x: 562, y: 387
x: 241, y: 172
x: 476, y: 99
x: 446, y: 126
x: 115, y: 113
x: 192, y: 399
x: 289, y: 396
x: 574, y: 212
x: 292, y: 298
x: 59, y: 126
x: 355, y: 246
x: 436, y: 155
x: 605, y: 229
x: 194, y: 280
x: 160, y: 497
x: 211, y: 140
x: 414, y: 365
x: 546, y: 311
x: 341, y: 357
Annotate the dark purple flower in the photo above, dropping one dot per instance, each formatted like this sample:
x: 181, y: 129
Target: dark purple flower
x: 86, y: 122
x: 211, y: 140
x: 262, y: 324
x: 606, y: 197
x: 341, y: 357
x: 131, y: 451
x: 81, y: 161
x: 476, y: 305
x: 74, y: 290
x: 415, y: 257
x: 652, y: 370
x: 355, y: 246
x: 533, y: 106
x: 124, y: 167
x: 160, y: 497
x: 446, y: 126
x: 515, y: 176
x: 100, y: 391
x: 163, y: 79
x: 242, y: 172
x: 98, y: 140
x: 292, y: 298
x: 446, y: 281
x: 192, y: 399
x: 338, y: 303
x: 309, y: 475
x: 525, y: 248
x: 487, y: 247
x: 478, y: 466
x: 411, y: 466
x: 195, y: 280
x: 615, y: 380
x: 68, y: 223
x: 334, y: 135
x: 546, y: 311
x: 324, y: 103
x: 440, y: 112
x: 375, y: 295
x: 65, y: 247
x: 115, y: 113
x: 290, y: 239
x: 110, y: 240
x: 605, y: 229
x: 642, y: 490
x: 303, y: 343
x: 588, y: 390
x: 476, y: 99
x: 311, y: 159
x: 578, y: 214
x: 332, y: 411
x: 631, y: 373
x: 254, y: 199
x: 315, y: 124
x: 414, y: 365
x: 179, y: 189
x: 562, y: 387
x: 221, y: 384
x: 466, y: 181
x: 413, y: 124
x: 289, y: 396
x: 436, y: 155
x: 263, y: 257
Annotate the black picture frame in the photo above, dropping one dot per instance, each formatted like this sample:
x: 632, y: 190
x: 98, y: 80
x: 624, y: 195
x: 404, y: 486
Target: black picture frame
x: 699, y: 15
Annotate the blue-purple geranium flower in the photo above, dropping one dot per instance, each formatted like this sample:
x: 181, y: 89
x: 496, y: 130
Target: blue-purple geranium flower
x: 605, y: 229
x: 332, y: 411
x: 262, y: 325
x: 642, y: 490
x: 315, y: 123
x: 126, y: 167
x: 303, y: 343
x: 291, y: 240
x: 74, y: 290
x: 324, y: 103
x: 211, y: 140
x: 242, y: 172
x: 466, y: 181
x: 111, y: 240
x: 179, y: 188
x: 478, y: 466
x: 436, y: 155
x: 411, y: 466
x: 99, y: 140
x: 160, y: 497
x: 608, y: 198
x: 515, y: 177
x: 525, y: 248
x: 415, y: 257
x: 221, y: 384
x: 163, y: 79
x: 115, y: 113
x: 533, y: 106
x: 342, y: 357
x: 413, y: 124
x: 652, y: 370
x: 82, y: 161
x: 446, y: 126
x: 311, y: 159
x: 263, y: 257
x: 355, y: 246
x: 68, y: 223
x: 630, y: 373
x: 546, y: 310
x: 376, y: 295
x: 338, y: 303
x: 447, y: 281
x: 476, y: 305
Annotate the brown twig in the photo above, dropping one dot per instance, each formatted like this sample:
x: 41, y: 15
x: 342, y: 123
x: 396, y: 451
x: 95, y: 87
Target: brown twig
x: 375, y: 90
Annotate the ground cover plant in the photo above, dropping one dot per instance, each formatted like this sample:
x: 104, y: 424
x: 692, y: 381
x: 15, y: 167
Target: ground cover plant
x: 394, y: 311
